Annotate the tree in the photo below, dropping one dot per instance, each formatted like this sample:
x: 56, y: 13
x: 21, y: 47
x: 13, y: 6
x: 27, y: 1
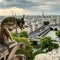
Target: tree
x: 47, y: 44
x: 14, y: 34
x: 46, y: 22
x: 58, y: 34
x: 23, y: 34
x: 28, y: 48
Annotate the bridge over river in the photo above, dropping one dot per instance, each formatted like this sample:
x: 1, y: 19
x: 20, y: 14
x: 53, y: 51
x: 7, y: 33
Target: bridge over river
x: 36, y: 35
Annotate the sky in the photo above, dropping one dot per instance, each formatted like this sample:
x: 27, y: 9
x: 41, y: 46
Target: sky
x: 29, y: 7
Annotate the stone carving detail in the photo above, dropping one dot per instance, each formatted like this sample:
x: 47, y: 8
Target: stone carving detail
x: 7, y: 25
x: 21, y: 22
x: 12, y: 55
x: 19, y: 57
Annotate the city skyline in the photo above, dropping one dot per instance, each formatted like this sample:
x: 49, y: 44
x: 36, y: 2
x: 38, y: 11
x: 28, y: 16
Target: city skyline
x: 29, y: 7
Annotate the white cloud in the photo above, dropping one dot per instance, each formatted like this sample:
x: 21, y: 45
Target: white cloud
x: 50, y: 3
x: 41, y: 7
x: 46, y: 7
x: 54, y: 5
x: 29, y: 6
x: 17, y: 11
x: 33, y: 0
x: 1, y: 1
x: 13, y: 10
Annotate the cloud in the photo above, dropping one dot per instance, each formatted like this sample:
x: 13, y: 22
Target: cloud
x: 1, y: 1
x: 17, y: 11
x: 50, y: 3
x: 17, y: 3
x: 13, y: 10
x: 30, y: 6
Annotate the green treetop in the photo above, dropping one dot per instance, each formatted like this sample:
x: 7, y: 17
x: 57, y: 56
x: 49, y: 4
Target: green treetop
x: 24, y: 34
x: 58, y: 33
x: 47, y: 44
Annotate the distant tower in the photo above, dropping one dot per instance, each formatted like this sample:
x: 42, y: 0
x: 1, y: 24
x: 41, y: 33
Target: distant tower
x: 43, y: 13
x: 43, y: 18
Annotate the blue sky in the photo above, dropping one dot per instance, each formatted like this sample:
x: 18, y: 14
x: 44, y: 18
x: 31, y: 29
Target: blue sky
x: 29, y: 7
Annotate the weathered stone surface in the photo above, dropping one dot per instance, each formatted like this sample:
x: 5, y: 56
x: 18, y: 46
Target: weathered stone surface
x: 4, y: 50
x: 7, y: 45
x: 19, y: 57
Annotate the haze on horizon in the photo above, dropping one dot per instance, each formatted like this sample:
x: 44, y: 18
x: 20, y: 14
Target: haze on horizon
x: 29, y: 7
